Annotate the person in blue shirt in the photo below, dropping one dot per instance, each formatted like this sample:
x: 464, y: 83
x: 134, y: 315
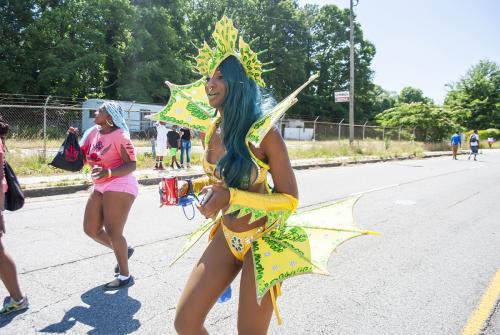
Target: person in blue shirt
x: 455, y: 142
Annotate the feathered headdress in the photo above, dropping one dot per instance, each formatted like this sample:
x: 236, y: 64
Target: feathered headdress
x: 225, y: 36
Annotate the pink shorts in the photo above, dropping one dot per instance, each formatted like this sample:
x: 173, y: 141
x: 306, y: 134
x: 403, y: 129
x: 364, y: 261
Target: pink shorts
x: 126, y: 184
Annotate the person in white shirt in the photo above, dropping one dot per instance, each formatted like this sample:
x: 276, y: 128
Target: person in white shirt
x: 474, y: 144
x: 161, y: 144
x: 490, y: 141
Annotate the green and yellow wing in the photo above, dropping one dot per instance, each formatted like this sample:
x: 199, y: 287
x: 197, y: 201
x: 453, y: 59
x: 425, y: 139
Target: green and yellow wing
x: 304, y: 244
x: 187, y: 107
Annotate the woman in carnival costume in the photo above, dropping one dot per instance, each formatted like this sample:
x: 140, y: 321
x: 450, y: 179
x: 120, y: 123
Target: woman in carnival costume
x: 250, y: 229
x: 108, y: 149
x: 236, y: 172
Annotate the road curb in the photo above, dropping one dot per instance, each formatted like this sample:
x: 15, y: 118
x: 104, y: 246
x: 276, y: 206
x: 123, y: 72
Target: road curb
x: 61, y: 190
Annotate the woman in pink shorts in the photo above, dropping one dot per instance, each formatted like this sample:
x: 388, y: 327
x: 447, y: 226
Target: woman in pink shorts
x: 108, y: 149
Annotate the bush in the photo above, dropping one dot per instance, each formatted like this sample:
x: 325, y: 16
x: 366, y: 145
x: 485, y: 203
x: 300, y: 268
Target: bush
x: 492, y: 132
x: 484, y: 134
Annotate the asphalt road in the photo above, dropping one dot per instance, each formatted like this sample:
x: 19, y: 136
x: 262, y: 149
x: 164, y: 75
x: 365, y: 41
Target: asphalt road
x: 425, y: 274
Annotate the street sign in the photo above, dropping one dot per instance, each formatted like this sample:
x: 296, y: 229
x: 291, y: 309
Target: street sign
x: 341, y: 96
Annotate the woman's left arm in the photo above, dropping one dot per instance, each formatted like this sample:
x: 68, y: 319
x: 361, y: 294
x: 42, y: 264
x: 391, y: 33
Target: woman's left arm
x: 281, y: 169
x: 128, y: 165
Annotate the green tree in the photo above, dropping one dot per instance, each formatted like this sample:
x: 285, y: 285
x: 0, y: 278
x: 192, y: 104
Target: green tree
x: 478, y: 94
x: 280, y: 28
x: 117, y: 16
x: 15, y: 17
x: 76, y: 47
x: 330, y: 57
x: 381, y: 99
x: 156, y: 52
x: 410, y: 95
x: 435, y: 121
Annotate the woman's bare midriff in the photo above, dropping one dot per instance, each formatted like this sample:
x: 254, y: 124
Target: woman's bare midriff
x: 214, y: 153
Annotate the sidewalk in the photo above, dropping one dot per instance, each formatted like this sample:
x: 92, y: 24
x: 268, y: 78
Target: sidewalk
x: 42, y: 186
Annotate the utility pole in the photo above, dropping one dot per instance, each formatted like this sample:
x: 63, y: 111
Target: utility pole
x: 351, y: 77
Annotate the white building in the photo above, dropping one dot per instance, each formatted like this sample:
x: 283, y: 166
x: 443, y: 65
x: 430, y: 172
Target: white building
x: 135, y: 114
x: 296, y: 130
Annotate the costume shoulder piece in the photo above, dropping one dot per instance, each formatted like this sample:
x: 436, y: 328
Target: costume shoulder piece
x: 262, y: 126
x: 187, y: 107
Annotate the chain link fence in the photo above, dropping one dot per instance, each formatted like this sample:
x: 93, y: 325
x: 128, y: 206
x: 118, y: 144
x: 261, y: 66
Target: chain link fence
x: 40, y: 129
x: 42, y: 119
x: 51, y: 122
x: 39, y: 122
x: 301, y: 130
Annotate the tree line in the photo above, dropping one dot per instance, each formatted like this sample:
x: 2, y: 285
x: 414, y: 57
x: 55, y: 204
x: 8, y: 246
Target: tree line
x: 126, y: 49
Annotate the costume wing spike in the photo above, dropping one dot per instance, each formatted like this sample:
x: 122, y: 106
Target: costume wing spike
x: 262, y: 126
x: 252, y: 41
x: 193, y: 44
x: 268, y: 70
x: 187, y: 107
x: 193, y: 238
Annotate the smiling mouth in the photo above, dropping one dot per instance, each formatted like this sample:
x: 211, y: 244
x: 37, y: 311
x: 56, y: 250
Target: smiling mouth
x: 212, y: 95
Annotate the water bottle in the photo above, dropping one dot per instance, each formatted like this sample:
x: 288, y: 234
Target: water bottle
x: 226, y: 295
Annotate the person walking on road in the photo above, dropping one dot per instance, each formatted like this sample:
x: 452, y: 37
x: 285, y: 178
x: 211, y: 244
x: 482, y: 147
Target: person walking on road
x: 173, y: 145
x: 236, y: 184
x: 185, y: 147
x: 474, y: 144
x: 16, y: 301
x: 161, y: 144
x: 108, y: 149
x: 491, y: 140
x: 455, y: 142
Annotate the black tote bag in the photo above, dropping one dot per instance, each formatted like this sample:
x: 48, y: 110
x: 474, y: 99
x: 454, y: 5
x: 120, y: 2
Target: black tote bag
x: 14, y: 197
x: 70, y: 155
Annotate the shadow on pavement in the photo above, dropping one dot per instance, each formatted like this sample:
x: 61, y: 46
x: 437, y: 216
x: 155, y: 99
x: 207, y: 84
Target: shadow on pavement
x: 6, y: 319
x: 110, y: 312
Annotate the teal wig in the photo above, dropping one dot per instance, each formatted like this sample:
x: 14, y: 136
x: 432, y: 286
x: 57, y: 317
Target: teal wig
x: 241, y: 109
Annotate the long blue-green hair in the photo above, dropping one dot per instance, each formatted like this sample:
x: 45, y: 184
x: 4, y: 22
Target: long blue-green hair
x: 241, y: 109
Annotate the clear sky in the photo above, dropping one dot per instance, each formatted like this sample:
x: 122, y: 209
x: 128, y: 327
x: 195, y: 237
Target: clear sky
x: 426, y: 43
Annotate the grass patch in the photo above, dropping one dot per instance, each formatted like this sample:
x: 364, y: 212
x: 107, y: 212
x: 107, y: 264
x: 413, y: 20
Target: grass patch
x: 54, y: 144
x: 147, y: 161
x: 371, y: 148
x: 36, y: 165
x: 31, y: 165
